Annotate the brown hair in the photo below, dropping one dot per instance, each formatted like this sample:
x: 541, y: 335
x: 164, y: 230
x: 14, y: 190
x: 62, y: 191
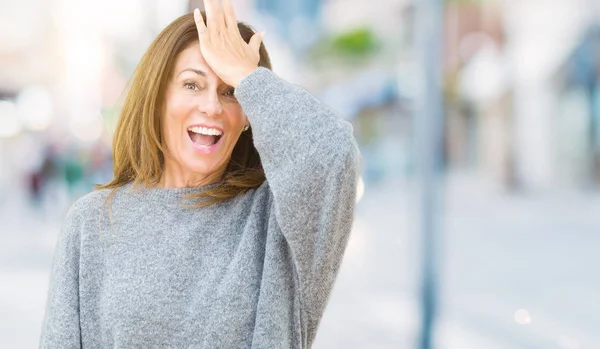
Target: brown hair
x: 138, y: 147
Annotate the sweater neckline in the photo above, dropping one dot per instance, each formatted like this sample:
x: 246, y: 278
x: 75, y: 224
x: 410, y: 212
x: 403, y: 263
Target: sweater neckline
x: 175, y: 197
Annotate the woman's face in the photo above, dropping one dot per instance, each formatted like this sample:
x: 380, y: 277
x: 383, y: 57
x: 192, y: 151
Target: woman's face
x: 202, y: 120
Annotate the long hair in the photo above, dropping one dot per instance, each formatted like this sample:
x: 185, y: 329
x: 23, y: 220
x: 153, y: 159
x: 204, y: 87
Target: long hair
x: 138, y: 143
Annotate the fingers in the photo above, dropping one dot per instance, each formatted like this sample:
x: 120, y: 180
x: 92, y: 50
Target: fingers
x: 230, y: 19
x: 214, y: 16
x: 200, y: 26
x: 256, y: 40
x: 222, y: 21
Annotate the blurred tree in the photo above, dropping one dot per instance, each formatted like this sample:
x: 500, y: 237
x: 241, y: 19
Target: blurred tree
x: 359, y: 41
x: 355, y: 44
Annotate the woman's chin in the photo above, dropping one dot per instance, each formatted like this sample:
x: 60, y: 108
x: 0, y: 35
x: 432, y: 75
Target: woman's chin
x: 203, y: 165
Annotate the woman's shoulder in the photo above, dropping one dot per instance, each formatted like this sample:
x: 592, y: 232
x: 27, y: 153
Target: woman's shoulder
x: 89, y: 203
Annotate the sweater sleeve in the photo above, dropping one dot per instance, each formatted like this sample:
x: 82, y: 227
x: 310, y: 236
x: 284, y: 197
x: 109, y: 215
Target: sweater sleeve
x: 311, y: 163
x: 61, y: 321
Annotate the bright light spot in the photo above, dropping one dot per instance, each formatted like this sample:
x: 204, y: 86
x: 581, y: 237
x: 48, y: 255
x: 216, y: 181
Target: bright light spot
x: 484, y: 76
x: 9, y: 121
x: 88, y: 130
x: 166, y: 11
x: 124, y: 19
x: 522, y: 317
x: 84, y: 60
x: 360, y: 189
x: 35, y: 108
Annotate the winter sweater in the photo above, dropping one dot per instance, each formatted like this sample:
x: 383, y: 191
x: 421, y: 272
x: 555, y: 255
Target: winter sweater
x: 254, y: 271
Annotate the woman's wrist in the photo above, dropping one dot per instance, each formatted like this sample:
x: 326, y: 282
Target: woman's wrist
x: 241, y: 76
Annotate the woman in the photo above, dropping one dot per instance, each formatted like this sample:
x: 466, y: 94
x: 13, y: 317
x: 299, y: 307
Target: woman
x: 199, y: 242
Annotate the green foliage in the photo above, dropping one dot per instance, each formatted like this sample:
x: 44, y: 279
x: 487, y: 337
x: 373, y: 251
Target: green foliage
x: 359, y: 41
x: 355, y: 45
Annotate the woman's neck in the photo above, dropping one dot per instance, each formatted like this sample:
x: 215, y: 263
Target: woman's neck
x: 181, y: 178
x: 172, y: 180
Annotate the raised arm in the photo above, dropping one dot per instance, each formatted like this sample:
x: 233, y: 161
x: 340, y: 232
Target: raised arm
x: 311, y: 163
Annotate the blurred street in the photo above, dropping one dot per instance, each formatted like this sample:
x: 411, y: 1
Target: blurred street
x: 519, y: 271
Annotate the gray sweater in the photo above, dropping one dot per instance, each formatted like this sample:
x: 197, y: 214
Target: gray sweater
x: 254, y: 271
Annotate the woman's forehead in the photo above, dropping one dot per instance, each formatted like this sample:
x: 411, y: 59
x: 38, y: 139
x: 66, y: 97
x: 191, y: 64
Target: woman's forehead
x: 191, y: 59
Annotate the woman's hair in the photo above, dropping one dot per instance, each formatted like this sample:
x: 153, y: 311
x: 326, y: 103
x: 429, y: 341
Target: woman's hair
x: 138, y: 144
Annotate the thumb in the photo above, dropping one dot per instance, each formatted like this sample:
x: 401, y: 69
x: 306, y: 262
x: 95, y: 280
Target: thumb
x: 256, y: 40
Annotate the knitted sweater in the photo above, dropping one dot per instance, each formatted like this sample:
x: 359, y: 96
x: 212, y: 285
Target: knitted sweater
x: 254, y: 271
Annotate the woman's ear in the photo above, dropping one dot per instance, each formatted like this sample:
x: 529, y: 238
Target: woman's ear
x: 246, y: 122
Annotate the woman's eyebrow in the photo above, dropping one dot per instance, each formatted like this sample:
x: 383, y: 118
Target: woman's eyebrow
x: 199, y: 72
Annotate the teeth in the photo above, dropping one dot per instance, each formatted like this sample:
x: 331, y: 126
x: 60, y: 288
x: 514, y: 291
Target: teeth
x: 205, y: 130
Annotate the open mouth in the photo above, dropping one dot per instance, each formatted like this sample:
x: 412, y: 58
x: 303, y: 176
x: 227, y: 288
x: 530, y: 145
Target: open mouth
x: 204, y: 137
x: 205, y: 141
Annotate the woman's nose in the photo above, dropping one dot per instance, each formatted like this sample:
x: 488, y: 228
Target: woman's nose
x: 210, y: 105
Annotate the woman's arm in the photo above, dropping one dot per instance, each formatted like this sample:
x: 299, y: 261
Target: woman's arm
x: 311, y: 163
x: 61, y: 321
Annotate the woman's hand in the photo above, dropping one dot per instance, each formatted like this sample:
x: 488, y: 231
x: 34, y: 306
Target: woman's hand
x: 222, y: 46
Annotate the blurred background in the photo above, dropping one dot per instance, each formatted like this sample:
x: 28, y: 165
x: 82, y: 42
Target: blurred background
x: 517, y: 238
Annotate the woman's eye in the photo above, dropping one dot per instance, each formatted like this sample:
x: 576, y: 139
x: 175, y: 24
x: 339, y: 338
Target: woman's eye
x: 230, y: 93
x: 190, y: 86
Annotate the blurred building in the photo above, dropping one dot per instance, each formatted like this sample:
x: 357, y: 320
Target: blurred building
x: 577, y: 145
x: 501, y: 59
x: 479, y: 122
